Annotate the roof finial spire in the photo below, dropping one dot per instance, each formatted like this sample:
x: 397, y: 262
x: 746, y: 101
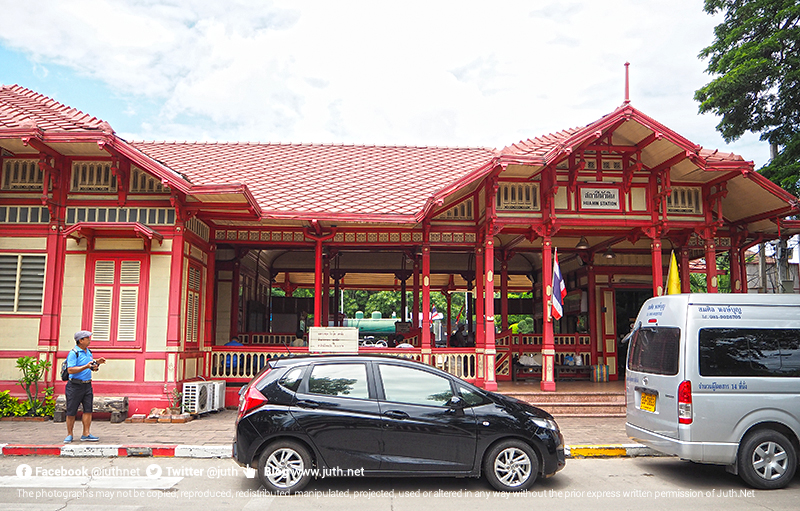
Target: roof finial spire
x: 627, y: 85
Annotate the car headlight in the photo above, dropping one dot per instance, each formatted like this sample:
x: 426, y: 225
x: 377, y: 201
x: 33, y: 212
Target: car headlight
x: 545, y: 423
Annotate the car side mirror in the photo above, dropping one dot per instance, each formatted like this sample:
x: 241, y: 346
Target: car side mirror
x: 455, y: 402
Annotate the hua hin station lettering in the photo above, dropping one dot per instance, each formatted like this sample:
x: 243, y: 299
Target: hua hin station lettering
x: 599, y: 198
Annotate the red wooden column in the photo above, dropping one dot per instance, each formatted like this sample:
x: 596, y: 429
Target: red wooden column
x: 593, y: 333
x: 448, y: 295
x: 743, y: 268
x: 658, y: 268
x: 175, y: 283
x: 415, y: 300
x: 235, y: 284
x: 736, y: 270
x: 426, y: 297
x: 684, y: 269
x: 326, y: 290
x: 318, y: 238
x: 318, y: 282
x: 54, y: 272
x: 548, y: 338
x: 51, y: 304
x: 337, y: 298
x: 480, y: 337
x: 489, y: 348
x: 711, y: 266
x: 504, y: 292
x: 738, y: 276
x: 209, y: 333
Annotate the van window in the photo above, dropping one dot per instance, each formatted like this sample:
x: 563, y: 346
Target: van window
x: 749, y: 352
x: 655, y: 351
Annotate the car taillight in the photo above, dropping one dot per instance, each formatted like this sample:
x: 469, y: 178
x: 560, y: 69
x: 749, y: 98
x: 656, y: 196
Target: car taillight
x: 250, y: 400
x: 685, y: 402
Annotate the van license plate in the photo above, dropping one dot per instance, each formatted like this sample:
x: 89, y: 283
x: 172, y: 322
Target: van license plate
x: 648, y: 402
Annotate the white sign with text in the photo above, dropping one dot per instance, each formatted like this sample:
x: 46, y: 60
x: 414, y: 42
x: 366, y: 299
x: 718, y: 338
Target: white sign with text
x: 336, y: 339
x: 599, y: 198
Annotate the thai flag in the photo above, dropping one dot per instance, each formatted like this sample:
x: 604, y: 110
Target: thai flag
x: 559, y: 291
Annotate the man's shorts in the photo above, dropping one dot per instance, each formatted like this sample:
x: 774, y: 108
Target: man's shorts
x: 77, y: 393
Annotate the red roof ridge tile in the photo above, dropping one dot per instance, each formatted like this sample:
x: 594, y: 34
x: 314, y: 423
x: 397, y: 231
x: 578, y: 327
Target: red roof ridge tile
x: 314, y: 144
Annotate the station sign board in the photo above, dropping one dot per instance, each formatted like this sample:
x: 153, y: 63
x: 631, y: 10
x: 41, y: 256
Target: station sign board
x: 342, y: 339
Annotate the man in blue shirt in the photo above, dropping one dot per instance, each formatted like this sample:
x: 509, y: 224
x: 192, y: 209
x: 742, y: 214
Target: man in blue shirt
x: 80, y: 364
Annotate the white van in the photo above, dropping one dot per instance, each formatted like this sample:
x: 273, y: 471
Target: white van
x: 715, y: 378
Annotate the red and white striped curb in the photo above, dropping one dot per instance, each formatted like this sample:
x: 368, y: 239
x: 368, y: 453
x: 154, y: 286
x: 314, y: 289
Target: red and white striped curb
x: 113, y: 451
x: 225, y: 451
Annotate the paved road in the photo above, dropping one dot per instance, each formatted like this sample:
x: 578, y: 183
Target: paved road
x: 153, y: 483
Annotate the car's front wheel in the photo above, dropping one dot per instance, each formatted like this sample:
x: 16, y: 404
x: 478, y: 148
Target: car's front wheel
x: 511, y: 465
x: 767, y: 459
x: 284, y: 467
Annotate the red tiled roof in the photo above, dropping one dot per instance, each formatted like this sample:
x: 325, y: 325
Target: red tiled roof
x: 545, y: 145
x: 539, y: 146
x: 22, y: 108
x: 327, y: 179
x: 717, y: 156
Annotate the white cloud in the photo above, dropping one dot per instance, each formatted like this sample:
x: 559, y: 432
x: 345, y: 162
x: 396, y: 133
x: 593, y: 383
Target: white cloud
x: 412, y: 72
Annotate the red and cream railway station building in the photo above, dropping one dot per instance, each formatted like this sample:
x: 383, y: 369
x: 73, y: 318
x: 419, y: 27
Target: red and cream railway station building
x: 166, y: 250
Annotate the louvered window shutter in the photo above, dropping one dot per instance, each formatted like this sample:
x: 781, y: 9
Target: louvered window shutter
x: 21, y: 283
x: 31, y: 284
x: 101, y: 318
x: 8, y: 282
x: 193, y: 305
x: 129, y: 275
x: 128, y: 309
x: 112, y: 321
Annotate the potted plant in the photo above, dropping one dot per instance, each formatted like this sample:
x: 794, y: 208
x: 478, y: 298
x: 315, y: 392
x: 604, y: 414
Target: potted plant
x: 175, y: 401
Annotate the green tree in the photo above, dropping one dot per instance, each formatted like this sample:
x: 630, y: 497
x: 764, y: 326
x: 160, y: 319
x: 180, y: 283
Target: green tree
x: 755, y: 58
x: 387, y: 302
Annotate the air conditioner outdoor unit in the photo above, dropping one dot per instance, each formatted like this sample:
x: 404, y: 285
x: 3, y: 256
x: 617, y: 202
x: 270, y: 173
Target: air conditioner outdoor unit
x: 217, y: 395
x: 197, y: 396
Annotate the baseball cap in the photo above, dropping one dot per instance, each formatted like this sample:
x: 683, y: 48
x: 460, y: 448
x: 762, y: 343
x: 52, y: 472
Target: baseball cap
x: 81, y: 334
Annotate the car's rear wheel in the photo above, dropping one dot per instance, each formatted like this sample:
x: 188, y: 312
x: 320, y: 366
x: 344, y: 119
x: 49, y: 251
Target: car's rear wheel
x: 511, y: 465
x: 284, y: 466
x: 767, y: 459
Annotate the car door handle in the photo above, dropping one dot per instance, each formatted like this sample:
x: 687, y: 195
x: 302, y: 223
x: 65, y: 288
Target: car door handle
x: 396, y: 414
x: 305, y: 403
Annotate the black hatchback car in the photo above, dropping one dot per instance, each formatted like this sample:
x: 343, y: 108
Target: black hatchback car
x: 353, y: 415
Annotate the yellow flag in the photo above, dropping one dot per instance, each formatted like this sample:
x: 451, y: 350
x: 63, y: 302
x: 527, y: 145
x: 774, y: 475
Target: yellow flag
x: 673, y: 277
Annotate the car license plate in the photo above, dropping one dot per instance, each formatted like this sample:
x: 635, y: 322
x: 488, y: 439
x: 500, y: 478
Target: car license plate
x: 648, y: 402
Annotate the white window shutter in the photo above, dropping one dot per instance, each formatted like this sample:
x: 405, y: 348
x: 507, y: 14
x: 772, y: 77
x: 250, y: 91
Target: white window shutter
x: 104, y: 272
x: 129, y: 272
x: 128, y: 310
x: 101, y: 317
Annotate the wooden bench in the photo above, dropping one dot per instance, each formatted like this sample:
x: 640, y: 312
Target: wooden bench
x: 116, y: 406
x: 574, y: 372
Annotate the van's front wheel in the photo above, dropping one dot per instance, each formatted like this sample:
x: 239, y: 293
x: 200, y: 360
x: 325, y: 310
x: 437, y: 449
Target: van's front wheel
x: 767, y: 459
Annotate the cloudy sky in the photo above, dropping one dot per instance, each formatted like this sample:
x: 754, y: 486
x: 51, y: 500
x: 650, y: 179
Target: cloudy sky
x: 447, y: 73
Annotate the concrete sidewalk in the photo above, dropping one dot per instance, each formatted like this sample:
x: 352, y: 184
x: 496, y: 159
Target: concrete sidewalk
x: 211, y: 435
